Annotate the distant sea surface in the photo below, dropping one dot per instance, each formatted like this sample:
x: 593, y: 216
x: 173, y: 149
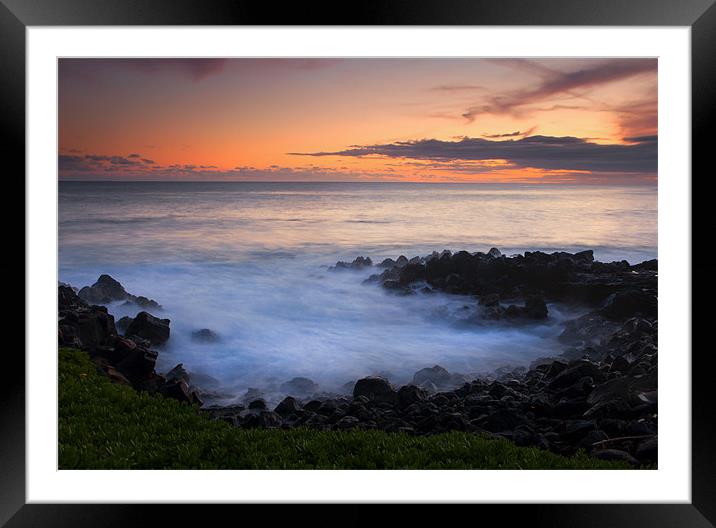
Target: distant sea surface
x: 249, y: 261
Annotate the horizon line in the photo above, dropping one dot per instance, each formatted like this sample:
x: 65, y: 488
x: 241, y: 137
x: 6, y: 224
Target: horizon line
x: 640, y: 183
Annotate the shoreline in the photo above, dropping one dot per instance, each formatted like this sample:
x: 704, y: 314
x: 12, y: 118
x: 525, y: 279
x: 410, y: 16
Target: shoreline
x: 600, y: 396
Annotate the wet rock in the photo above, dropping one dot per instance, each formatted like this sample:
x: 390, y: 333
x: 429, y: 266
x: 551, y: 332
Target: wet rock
x: 437, y: 375
x: 251, y: 394
x: 145, y: 325
x: 313, y: 405
x: 534, y: 308
x: 375, y: 389
x: 86, y: 326
x: 258, y: 405
x: 358, y: 263
x: 178, y: 373
x: 576, y: 370
x: 622, y: 305
x: 287, y: 406
x: 123, y: 323
x: 263, y: 419
x: 205, y: 335
x: 410, y: 394
x: 179, y: 390
x: 300, y: 386
x: 143, y: 302
x: 591, y: 329
x: 494, y: 253
x: 104, y: 291
x: 138, y: 365
x: 67, y: 298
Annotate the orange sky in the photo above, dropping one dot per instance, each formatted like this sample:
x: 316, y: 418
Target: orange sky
x: 557, y: 120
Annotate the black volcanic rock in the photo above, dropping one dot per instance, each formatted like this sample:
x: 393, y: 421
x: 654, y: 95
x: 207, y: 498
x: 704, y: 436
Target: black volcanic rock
x: 146, y: 326
x: 300, y: 386
x: 104, y: 291
x: 625, y: 304
x: 85, y: 326
x: 534, y: 308
x: 375, y: 389
x: 108, y: 289
x: 558, y: 276
x: 437, y: 375
x: 358, y: 263
x: 205, y: 335
x: 179, y: 390
x: 287, y: 406
x: 123, y: 323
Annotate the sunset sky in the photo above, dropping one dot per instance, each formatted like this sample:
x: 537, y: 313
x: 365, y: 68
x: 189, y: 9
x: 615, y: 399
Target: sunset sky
x: 433, y: 120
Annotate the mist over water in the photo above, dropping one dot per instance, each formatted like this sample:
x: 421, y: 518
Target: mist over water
x: 250, y: 262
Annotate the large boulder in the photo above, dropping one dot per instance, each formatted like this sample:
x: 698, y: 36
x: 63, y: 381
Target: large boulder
x: 108, y: 289
x: 138, y: 365
x: 104, y: 291
x: 68, y: 299
x: 146, y: 326
x: 87, y: 327
x: 375, y: 388
x: 179, y: 390
x: 623, y: 305
x: 123, y: 323
x: 287, y: 406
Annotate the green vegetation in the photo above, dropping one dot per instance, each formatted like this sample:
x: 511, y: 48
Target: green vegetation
x: 108, y: 426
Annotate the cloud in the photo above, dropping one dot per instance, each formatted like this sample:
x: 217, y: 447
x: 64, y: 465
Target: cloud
x: 116, y: 168
x: 555, y: 83
x: 458, y: 88
x: 516, y: 133
x: 193, y: 68
x: 541, y: 152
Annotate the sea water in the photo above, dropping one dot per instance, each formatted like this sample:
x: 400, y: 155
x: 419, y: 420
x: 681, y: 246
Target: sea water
x: 250, y: 262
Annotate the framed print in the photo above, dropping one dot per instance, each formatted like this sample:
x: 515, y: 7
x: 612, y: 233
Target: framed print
x: 421, y: 254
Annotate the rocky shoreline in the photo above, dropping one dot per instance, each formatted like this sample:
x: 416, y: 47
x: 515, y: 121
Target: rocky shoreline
x: 598, y: 393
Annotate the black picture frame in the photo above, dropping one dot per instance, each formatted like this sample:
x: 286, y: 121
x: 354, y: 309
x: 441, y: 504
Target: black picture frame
x: 699, y: 15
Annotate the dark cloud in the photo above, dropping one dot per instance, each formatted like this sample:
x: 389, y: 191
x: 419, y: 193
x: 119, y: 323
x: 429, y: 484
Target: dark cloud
x: 516, y: 133
x: 134, y: 156
x: 100, y: 167
x: 540, y: 152
x: 194, y: 68
x: 555, y: 82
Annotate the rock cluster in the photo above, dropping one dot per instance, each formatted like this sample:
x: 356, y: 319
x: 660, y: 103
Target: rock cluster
x: 358, y: 263
x: 598, y: 394
x: 606, y: 407
x: 124, y: 359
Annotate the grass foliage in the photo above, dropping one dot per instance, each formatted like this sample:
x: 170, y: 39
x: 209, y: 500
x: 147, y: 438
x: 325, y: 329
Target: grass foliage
x: 108, y: 426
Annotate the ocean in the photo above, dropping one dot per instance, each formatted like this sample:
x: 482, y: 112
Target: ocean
x: 250, y: 262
